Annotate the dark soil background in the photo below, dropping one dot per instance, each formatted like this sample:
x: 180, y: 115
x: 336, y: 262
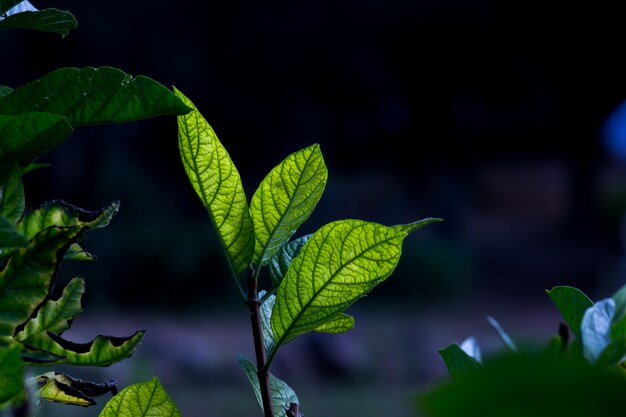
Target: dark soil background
x: 504, y: 119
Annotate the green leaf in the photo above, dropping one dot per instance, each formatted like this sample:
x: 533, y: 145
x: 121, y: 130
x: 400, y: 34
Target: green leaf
x: 339, y: 264
x: 47, y: 20
x: 9, y: 236
x: 88, y: 96
x: 58, y: 213
x: 11, y: 193
x: 147, y: 399
x: 526, y: 384
x: 459, y: 363
x: 282, y: 394
x: 285, y: 199
x: 11, y: 372
x: 503, y: 334
x: 102, y: 351
x: 62, y: 388
x: 27, y: 135
x: 76, y: 253
x: 620, y: 303
x: 215, y: 179
x: 411, y: 227
x: 33, y: 167
x: 28, y: 275
x: 279, y: 264
x: 341, y: 324
x: 572, y: 304
x: 54, y: 315
x: 266, y: 314
x: 4, y: 90
x: 613, y: 353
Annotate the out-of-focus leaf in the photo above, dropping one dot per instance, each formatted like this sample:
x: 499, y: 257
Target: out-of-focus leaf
x: 596, y: 328
x: 526, y: 384
x: 282, y: 394
x: 6, y: 6
x: 29, y: 273
x: 88, y: 96
x: 47, y: 20
x: 620, y: 303
x: 11, y: 372
x: 471, y: 347
x: 9, y: 236
x: 503, y: 335
x: 285, y: 199
x: 215, y: 179
x: 76, y: 253
x: 33, y: 167
x: 148, y: 399
x: 572, y: 304
x: 339, y: 264
x: 613, y: 353
x: 11, y: 193
x: 279, y: 264
x: 54, y: 316
x: 4, y: 90
x: 29, y: 134
x: 459, y: 363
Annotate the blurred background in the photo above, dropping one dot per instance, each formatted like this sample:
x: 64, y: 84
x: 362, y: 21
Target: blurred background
x: 507, y: 120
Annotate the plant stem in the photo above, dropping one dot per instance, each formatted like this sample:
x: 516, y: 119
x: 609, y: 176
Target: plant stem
x: 254, y: 306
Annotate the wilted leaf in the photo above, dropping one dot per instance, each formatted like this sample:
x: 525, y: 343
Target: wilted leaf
x: 62, y: 388
x: 215, y: 179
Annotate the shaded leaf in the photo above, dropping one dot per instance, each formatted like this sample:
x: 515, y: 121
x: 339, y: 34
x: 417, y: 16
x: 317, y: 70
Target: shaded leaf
x: 459, y: 363
x: 339, y: 264
x: 147, y: 399
x: 35, y: 356
x: 279, y: 264
x: 88, y: 96
x: 613, y: 353
x: 9, y: 236
x: 266, y: 314
x: 11, y: 193
x: 572, y: 304
x: 47, y: 20
x: 54, y: 315
x: 11, y: 372
x: 102, y: 351
x: 62, y: 388
x: 33, y: 167
x: 4, y: 90
x: 282, y: 394
x: 27, y: 135
x: 7, y: 5
x: 503, y: 335
x: 28, y: 275
x: 596, y: 328
x: 285, y: 199
x: 620, y: 303
x: 76, y: 253
x: 215, y: 179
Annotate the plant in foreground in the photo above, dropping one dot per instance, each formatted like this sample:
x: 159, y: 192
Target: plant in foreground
x: 579, y: 376
x: 311, y: 280
x: 34, y: 119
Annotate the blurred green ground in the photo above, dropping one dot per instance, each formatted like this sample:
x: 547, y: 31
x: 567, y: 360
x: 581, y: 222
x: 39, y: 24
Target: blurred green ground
x: 375, y: 370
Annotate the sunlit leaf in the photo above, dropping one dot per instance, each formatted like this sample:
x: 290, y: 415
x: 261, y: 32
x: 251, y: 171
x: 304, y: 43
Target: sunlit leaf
x: 281, y: 393
x: 147, y: 399
x: 54, y: 315
x: 11, y: 372
x: 279, y: 264
x: 596, y: 328
x: 90, y: 95
x: 341, y: 324
x: 411, y: 227
x: 285, y: 199
x: 215, y: 179
x: 459, y: 363
x: 27, y: 135
x: 11, y: 193
x: 47, y: 20
x: 29, y: 273
x: 572, y: 304
x: 339, y: 264
x: 102, y: 351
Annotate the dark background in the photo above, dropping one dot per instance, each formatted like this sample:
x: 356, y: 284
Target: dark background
x: 499, y: 118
